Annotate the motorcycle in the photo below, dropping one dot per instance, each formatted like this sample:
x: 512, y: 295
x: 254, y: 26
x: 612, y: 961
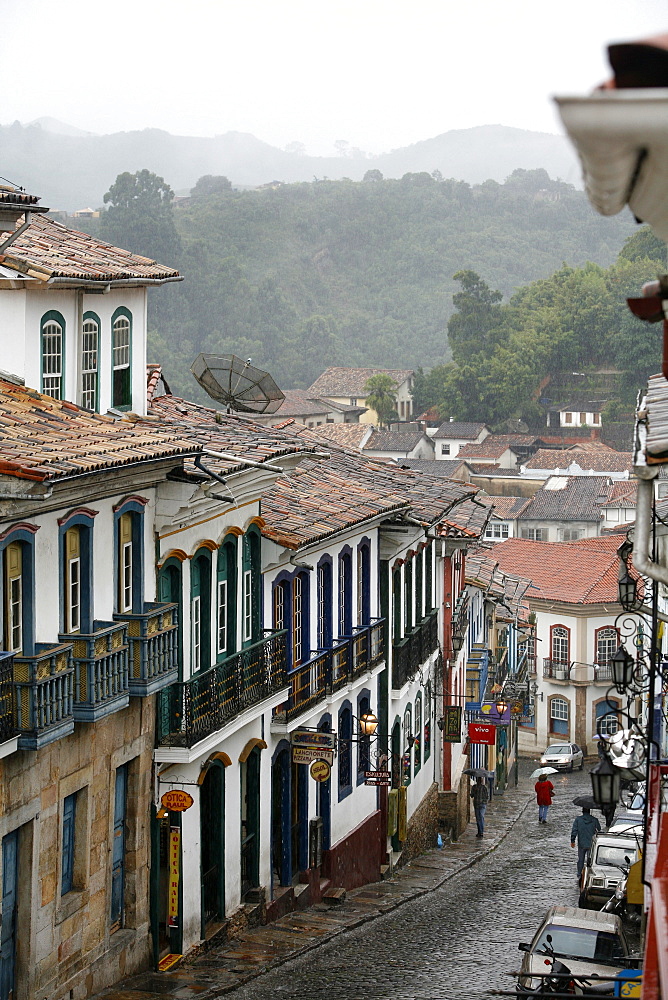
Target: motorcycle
x: 618, y: 903
x: 560, y: 981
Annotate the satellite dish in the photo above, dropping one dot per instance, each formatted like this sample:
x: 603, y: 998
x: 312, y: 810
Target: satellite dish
x: 236, y: 383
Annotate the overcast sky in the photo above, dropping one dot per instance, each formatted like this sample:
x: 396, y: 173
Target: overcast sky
x: 379, y: 74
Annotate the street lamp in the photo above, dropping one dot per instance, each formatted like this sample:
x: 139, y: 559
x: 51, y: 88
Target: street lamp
x: 621, y: 665
x: 626, y: 585
x: 501, y: 706
x: 605, y: 785
x: 368, y: 724
x: 457, y: 642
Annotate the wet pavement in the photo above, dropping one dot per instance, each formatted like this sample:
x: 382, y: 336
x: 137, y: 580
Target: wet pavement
x: 445, y: 927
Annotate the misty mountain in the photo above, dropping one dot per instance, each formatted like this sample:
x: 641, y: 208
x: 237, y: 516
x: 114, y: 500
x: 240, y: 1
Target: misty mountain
x: 70, y: 169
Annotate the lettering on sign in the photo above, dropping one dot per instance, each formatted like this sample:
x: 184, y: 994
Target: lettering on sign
x: 305, y: 755
x: 174, y: 875
x: 480, y: 732
x: 311, y: 738
x: 377, y: 774
x: 379, y: 782
x: 320, y: 770
x: 452, y: 724
x: 176, y: 800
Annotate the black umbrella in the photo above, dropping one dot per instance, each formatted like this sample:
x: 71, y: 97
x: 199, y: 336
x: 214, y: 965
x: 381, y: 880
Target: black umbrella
x: 585, y: 802
x: 478, y: 772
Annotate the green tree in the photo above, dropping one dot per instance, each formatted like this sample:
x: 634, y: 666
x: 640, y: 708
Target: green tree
x: 380, y: 392
x: 140, y: 216
x: 474, y: 328
x: 211, y: 184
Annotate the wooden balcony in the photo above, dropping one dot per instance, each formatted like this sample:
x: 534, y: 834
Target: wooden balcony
x: 154, y: 648
x: 100, y: 670
x: 330, y: 670
x: 414, y: 649
x: 44, y: 695
x: 191, y: 710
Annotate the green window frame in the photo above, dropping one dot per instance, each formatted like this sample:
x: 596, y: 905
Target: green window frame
x: 52, y: 354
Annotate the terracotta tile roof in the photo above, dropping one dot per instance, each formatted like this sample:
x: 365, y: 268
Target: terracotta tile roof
x: 567, y: 461
x: 450, y: 430
x: 230, y: 433
x: 155, y: 381
x: 621, y: 494
x: 653, y: 421
x: 508, y: 507
x: 43, y: 439
x: 347, y: 435
x: 446, y: 469
x: 392, y: 440
x: 351, y: 381
x: 480, y: 570
x: 48, y: 250
x: 349, y: 489
x: 582, y: 572
x: 467, y: 520
x: 493, y: 447
x: 568, y: 498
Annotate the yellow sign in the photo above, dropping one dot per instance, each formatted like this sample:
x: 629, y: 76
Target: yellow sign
x: 176, y: 800
x: 635, y: 890
x: 174, y: 875
x: 320, y: 770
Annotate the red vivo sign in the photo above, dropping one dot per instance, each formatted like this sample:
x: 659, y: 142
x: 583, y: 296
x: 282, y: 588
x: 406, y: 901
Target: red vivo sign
x: 481, y: 732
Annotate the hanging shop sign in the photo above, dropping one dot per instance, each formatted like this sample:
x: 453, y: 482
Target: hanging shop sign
x: 382, y: 778
x: 311, y: 738
x: 320, y: 770
x: 305, y: 755
x: 482, y: 732
x: 452, y: 724
x: 489, y: 710
x: 176, y: 800
x: 516, y: 707
x: 174, y: 876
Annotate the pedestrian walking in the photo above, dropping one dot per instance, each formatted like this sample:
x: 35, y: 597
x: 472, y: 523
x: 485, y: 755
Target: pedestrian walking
x: 583, y: 831
x: 480, y: 797
x: 544, y: 795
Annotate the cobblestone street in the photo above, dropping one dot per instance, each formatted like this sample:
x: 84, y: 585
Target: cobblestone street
x: 458, y: 941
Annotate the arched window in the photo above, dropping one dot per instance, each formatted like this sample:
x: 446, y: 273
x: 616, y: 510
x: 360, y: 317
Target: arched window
x: 607, y: 643
x: 17, y: 548
x: 396, y: 605
x: 427, y: 720
x: 121, y: 351
x: 76, y: 543
x: 200, y: 611
x: 324, y: 583
x: 417, y: 751
x: 560, y: 643
x: 363, y: 583
x: 419, y: 611
x: 363, y: 742
x: 129, y: 557
x: 300, y: 621
x: 345, y: 736
x: 252, y: 583
x: 406, y: 749
x: 607, y: 719
x: 226, y: 598
x: 90, y: 352
x: 53, y: 354
x: 559, y: 717
x: 408, y: 595
x: 345, y: 595
x: 429, y: 576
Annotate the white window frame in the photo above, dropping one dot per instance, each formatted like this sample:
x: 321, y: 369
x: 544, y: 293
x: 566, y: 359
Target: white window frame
x: 559, y: 710
x: 74, y: 594
x: 126, y: 577
x: 297, y: 621
x: 196, y: 631
x: 222, y: 616
x: 52, y: 358
x: 558, y: 640
x: 89, y: 363
x: 248, y: 606
x: 15, y: 611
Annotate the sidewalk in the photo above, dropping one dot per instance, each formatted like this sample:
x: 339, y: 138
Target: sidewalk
x: 222, y: 969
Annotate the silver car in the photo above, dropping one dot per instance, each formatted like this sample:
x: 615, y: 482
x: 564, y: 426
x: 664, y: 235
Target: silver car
x: 563, y: 756
x: 588, y: 943
x: 609, y: 860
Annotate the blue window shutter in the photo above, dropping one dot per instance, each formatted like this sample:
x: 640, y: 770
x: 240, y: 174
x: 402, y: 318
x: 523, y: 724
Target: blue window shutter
x: 69, y: 806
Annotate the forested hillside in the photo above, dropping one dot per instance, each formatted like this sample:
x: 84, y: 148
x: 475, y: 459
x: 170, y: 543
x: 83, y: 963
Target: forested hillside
x: 301, y: 276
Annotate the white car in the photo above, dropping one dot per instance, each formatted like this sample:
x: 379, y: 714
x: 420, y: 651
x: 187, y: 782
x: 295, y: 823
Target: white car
x: 563, y: 756
x: 588, y: 943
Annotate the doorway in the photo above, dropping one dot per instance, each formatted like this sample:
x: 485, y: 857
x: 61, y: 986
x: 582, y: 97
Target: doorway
x: 250, y: 822
x: 10, y: 884
x: 212, y: 839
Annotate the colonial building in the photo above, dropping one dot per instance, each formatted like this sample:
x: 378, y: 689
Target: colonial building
x: 348, y: 386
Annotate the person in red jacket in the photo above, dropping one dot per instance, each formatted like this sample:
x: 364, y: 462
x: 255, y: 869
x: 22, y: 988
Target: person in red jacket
x: 544, y: 795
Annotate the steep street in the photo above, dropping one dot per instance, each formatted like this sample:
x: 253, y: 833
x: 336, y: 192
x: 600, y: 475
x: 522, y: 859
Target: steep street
x: 458, y: 941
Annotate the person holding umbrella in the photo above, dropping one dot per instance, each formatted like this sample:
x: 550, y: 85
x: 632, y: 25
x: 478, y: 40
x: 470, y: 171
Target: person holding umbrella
x: 583, y: 830
x: 544, y: 794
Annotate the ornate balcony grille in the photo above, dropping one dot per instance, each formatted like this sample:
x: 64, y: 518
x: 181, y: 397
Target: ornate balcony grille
x: 194, y: 709
x: 100, y: 670
x: 44, y: 693
x: 154, y: 650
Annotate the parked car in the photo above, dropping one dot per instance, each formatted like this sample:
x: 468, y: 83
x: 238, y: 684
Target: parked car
x: 563, y: 756
x: 628, y: 823
x: 588, y: 942
x: 609, y: 860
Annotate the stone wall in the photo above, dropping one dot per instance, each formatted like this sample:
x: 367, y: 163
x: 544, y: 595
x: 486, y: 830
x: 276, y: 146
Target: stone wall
x: 454, y: 809
x: 422, y: 826
x: 66, y: 944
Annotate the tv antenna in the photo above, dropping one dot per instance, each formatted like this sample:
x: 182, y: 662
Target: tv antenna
x: 236, y: 383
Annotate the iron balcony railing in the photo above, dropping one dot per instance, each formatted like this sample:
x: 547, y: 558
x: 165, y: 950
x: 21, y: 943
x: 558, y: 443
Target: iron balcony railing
x: 44, y: 695
x: 154, y: 647
x: 578, y: 673
x: 414, y: 649
x: 329, y: 670
x: 7, y: 722
x: 100, y: 670
x: 460, y: 614
x: 191, y: 710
